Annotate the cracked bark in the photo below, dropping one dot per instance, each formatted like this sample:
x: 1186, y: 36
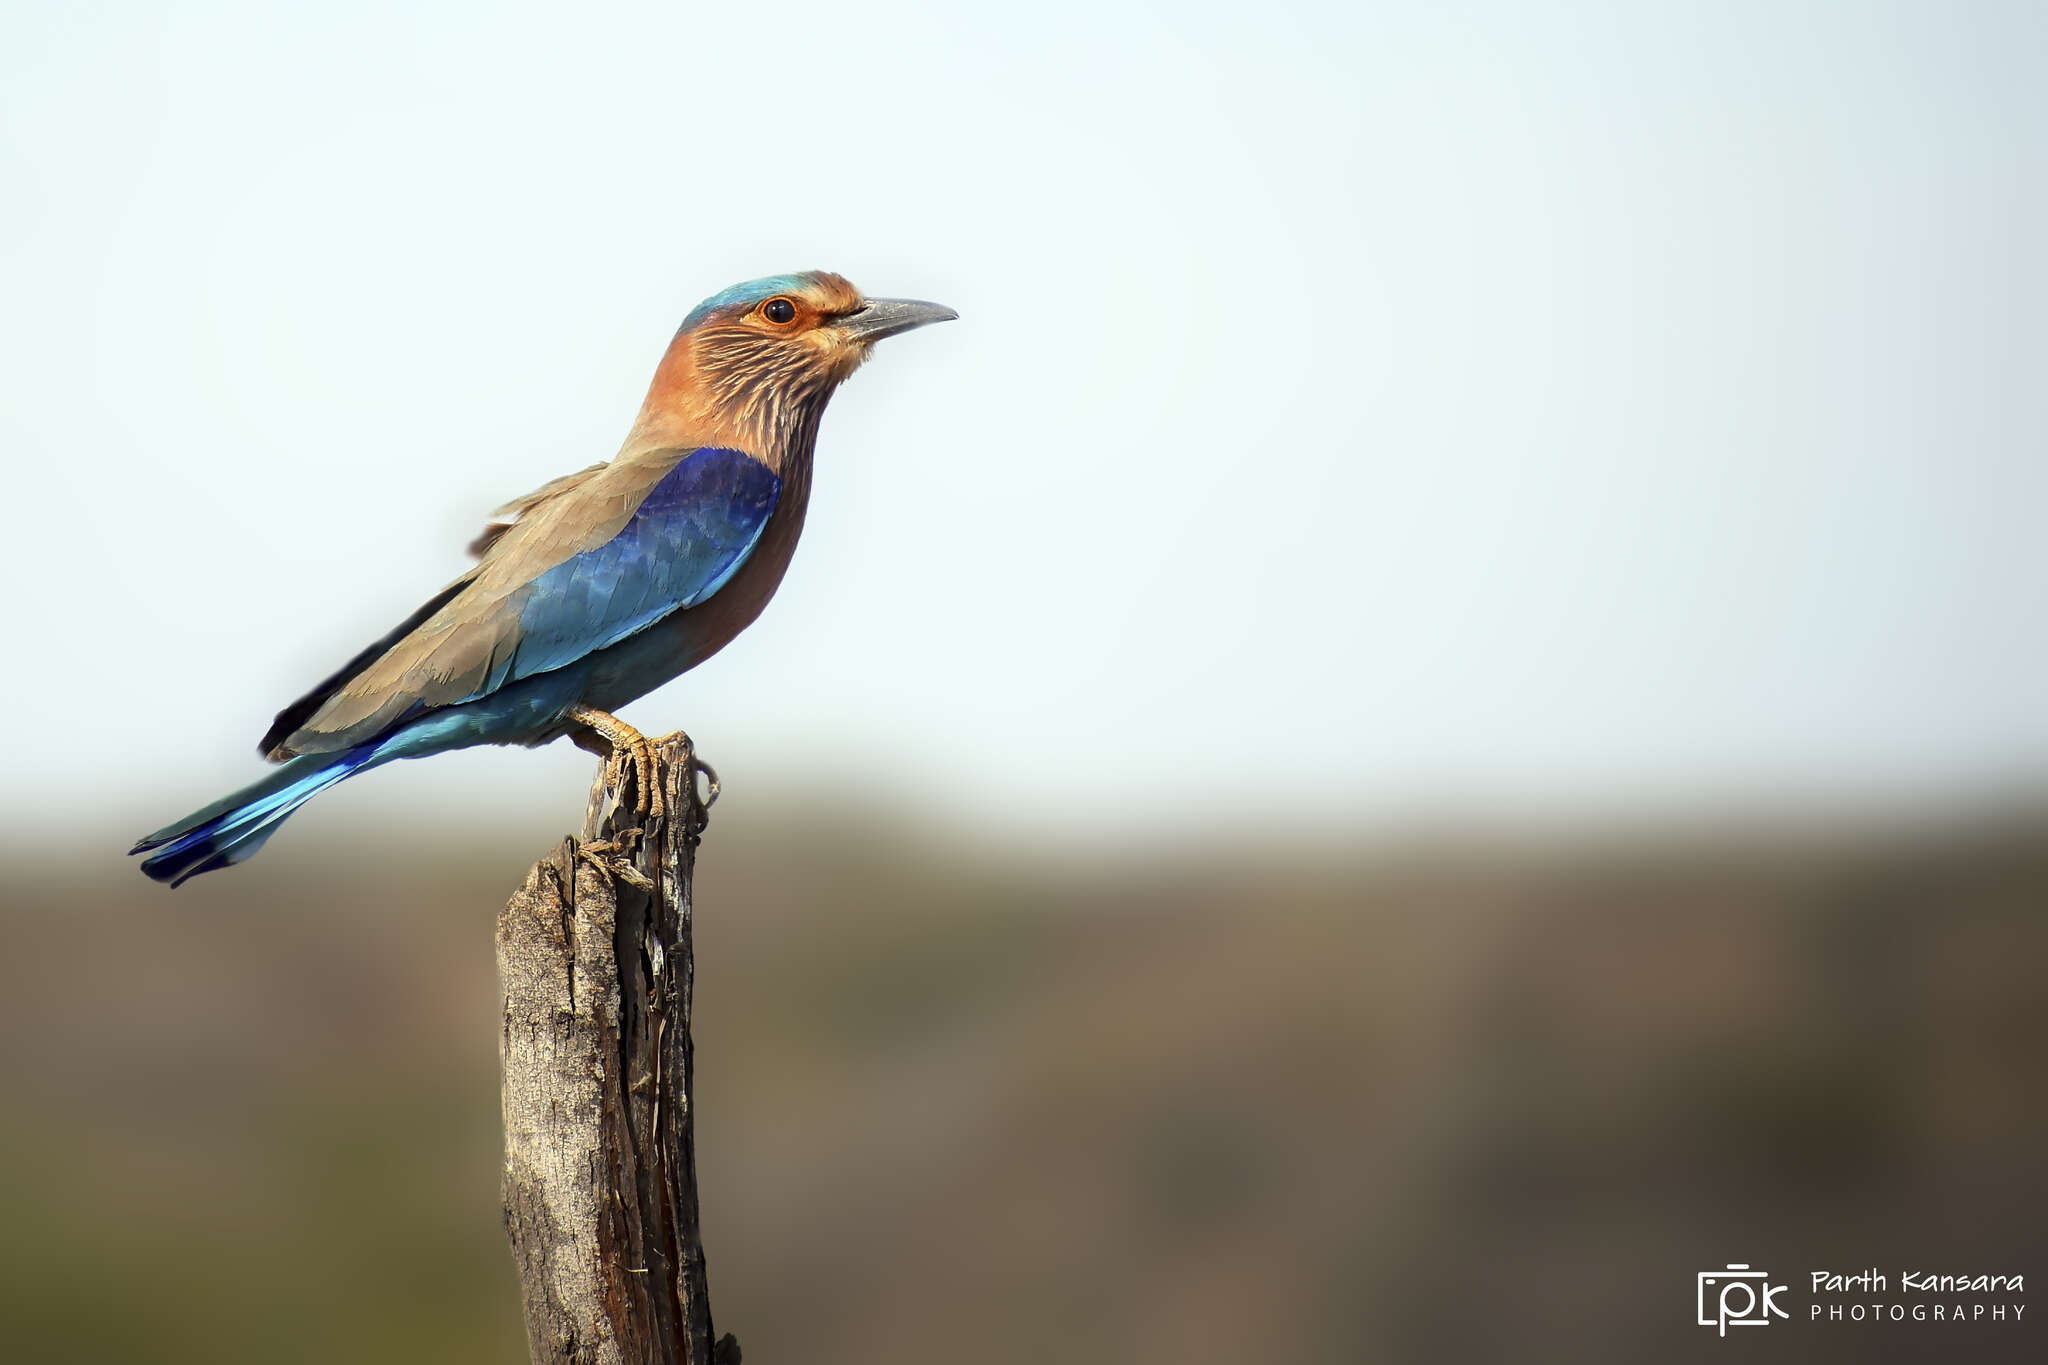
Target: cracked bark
x: 600, y: 1186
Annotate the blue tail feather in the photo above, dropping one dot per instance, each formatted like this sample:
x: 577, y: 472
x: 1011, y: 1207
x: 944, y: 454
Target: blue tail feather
x: 234, y: 827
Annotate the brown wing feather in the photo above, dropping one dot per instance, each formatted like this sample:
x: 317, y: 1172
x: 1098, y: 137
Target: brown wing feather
x: 446, y: 652
x: 503, y: 519
x: 300, y: 711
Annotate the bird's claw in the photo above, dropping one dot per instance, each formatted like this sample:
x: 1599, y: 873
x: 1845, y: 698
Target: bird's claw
x: 628, y: 746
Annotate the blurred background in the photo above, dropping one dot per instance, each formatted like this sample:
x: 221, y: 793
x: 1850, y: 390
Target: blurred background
x: 1425, y: 721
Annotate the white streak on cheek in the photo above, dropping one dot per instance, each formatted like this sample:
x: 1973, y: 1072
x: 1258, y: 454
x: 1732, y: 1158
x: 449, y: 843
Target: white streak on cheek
x: 837, y: 354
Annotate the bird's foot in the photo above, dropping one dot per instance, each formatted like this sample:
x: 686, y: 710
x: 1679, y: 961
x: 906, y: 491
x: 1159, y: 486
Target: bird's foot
x: 628, y: 746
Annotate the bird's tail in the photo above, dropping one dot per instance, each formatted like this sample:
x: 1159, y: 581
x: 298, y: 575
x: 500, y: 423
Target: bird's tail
x: 234, y: 827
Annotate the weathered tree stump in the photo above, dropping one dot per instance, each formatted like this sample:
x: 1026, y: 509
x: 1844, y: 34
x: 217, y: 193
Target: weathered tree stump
x: 594, y: 958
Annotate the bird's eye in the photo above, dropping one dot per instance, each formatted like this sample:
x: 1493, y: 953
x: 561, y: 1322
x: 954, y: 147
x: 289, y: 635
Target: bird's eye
x: 779, y: 311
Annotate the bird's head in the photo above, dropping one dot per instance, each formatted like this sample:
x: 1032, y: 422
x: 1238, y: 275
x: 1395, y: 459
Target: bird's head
x: 753, y: 365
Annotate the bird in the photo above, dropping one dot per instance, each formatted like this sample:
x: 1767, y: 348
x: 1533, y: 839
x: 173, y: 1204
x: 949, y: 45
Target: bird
x: 596, y: 588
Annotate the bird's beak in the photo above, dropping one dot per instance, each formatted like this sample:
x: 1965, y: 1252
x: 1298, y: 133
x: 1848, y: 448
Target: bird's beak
x: 878, y: 318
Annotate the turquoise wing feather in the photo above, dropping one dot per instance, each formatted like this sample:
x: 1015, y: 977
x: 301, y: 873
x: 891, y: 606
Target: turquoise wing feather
x: 552, y: 589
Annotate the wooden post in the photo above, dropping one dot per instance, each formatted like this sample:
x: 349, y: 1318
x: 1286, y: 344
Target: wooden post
x: 595, y: 961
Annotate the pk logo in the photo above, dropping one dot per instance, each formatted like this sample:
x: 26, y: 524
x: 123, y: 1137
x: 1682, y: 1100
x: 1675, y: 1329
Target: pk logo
x: 1746, y: 1298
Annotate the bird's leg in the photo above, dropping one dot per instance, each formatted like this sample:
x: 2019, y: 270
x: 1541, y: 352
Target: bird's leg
x: 627, y: 746
x: 615, y: 757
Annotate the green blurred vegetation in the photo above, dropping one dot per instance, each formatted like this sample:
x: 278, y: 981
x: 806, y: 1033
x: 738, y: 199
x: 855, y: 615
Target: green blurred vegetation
x: 1450, y: 1098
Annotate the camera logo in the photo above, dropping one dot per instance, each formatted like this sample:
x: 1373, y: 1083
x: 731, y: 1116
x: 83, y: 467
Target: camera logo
x: 1742, y: 1298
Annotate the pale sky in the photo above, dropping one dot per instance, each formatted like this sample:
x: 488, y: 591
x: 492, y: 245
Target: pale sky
x: 1360, y: 402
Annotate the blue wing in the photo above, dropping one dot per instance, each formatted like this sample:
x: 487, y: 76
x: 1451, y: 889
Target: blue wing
x: 686, y: 540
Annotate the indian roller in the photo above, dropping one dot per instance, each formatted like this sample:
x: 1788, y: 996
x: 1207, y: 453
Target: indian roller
x: 596, y: 588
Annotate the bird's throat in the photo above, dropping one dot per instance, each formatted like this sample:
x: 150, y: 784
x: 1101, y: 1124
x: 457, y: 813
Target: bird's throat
x: 769, y: 412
